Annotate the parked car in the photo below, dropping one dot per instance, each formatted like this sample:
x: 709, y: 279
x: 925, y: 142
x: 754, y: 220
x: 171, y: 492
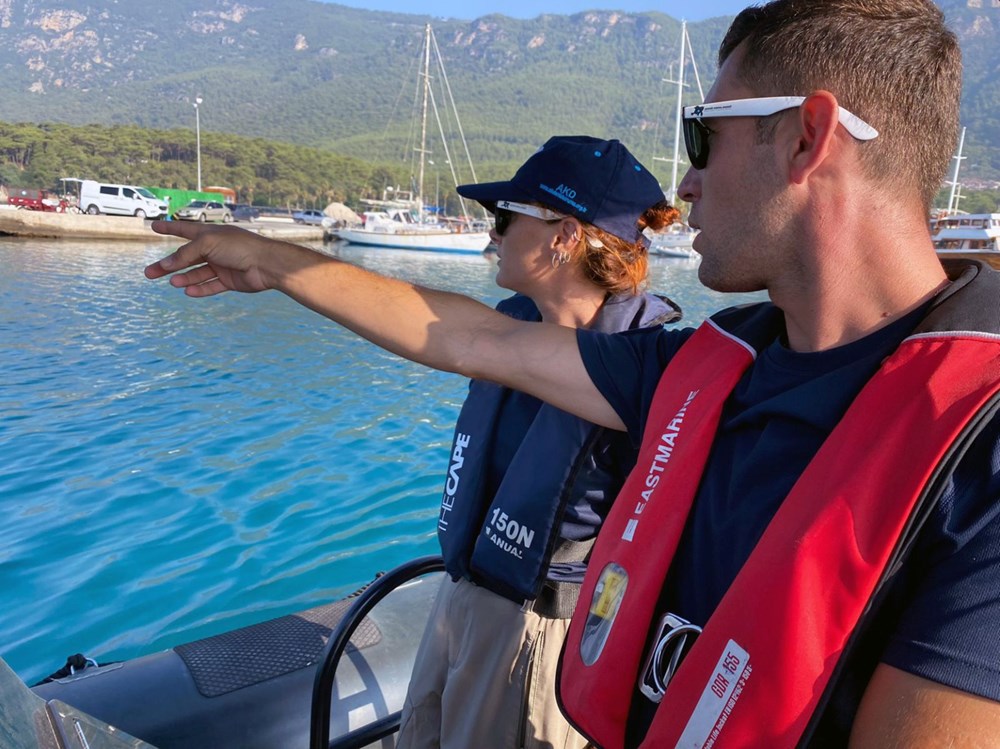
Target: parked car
x: 310, y: 216
x: 201, y: 210
x: 243, y: 211
x: 123, y: 200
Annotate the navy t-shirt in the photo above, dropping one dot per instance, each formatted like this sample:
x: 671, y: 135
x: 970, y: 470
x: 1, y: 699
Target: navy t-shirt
x: 941, y: 613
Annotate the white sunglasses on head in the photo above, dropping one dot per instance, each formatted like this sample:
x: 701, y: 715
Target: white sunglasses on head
x: 696, y: 133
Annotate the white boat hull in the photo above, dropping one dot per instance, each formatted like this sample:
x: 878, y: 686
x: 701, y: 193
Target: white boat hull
x: 674, y: 244
x: 443, y: 241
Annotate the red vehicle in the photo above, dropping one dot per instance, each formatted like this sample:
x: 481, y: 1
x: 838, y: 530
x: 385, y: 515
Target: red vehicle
x: 38, y: 200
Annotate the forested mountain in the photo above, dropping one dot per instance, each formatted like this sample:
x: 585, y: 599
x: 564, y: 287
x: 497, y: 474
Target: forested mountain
x: 343, y: 79
x: 261, y: 171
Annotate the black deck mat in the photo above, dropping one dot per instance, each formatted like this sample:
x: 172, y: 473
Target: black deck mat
x: 248, y: 656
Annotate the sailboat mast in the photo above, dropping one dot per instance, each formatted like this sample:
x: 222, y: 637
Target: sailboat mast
x: 680, y: 112
x: 952, y: 201
x: 423, y: 121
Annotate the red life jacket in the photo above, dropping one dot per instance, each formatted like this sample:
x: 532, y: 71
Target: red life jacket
x: 755, y: 675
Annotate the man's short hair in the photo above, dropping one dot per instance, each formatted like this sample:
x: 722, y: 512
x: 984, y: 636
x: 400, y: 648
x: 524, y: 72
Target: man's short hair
x: 893, y: 63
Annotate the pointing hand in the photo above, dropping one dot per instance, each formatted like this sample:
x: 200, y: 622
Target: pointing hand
x: 220, y: 258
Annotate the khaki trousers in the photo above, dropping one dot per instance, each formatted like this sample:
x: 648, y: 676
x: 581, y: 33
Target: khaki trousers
x: 484, y: 677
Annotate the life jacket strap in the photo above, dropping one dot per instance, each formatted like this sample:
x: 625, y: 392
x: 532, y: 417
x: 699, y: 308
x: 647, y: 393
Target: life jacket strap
x: 556, y: 600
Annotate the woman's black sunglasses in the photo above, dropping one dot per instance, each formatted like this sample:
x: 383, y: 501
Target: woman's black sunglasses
x: 503, y: 218
x: 504, y: 212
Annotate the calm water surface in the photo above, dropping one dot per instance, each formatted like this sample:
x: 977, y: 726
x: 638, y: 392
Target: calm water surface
x: 174, y: 468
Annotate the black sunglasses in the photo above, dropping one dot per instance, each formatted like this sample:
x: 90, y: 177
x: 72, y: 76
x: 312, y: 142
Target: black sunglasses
x: 696, y: 132
x: 503, y: 218
x: 504, y: 212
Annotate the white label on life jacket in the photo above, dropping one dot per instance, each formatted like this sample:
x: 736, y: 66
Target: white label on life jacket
x: 664, y: 451
x: 717, y: 701
x: 451, y: 485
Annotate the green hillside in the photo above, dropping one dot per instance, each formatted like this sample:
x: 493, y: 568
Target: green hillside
x: 261, y: 171
x: 342, y: 80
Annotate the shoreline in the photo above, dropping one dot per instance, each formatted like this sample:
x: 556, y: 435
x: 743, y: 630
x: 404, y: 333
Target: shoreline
x: 45, y: 225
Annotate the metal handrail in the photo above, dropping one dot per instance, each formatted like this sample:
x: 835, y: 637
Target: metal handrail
x: 319, y: 724
x: 368, y: 735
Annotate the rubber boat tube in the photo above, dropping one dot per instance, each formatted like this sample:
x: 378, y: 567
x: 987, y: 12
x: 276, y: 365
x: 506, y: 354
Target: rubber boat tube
x: 252, y: 688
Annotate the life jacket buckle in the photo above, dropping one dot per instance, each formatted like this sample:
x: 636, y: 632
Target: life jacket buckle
x: 674, y: 638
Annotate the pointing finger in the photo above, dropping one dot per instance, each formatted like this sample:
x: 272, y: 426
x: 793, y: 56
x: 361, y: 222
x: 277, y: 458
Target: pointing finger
x: 185, y: 229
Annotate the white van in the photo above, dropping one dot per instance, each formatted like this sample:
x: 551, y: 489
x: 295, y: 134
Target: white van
x: 121, y: 200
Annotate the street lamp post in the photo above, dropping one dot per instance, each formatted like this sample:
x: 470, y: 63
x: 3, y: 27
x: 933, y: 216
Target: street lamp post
x: 197, y: 137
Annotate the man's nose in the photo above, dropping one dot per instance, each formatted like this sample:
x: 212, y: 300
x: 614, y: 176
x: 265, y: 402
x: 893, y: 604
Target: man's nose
x: 689, y: 190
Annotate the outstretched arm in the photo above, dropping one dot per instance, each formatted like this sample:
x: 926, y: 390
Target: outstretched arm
x: 442, y: 330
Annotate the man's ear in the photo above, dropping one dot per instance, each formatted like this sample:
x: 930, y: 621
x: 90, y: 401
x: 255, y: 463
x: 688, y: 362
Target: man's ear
x: 817, y: 123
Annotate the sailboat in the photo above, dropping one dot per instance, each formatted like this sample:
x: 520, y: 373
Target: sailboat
x: 676, y: 241
x: 403, y: 222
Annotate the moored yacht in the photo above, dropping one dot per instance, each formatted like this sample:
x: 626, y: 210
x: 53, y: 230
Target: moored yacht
x: 968, y: 235
x: 675, y: 241
x: 404, y: 223
x: 397, y: 228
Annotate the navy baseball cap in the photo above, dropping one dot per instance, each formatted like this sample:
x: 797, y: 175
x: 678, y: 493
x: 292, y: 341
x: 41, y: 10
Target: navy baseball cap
x: 594, y: 180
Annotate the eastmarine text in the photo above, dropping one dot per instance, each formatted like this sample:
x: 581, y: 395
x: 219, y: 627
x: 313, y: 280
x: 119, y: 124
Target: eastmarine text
x: 664, y: 451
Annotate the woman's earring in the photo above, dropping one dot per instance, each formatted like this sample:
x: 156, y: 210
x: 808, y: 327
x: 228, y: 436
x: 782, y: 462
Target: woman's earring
x: 559, y: 258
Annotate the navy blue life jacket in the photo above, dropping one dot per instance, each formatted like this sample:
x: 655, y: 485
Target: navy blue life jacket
x: 505, y: 542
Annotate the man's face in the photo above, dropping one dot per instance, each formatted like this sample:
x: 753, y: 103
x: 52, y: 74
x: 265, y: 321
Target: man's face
x: 735, y: 197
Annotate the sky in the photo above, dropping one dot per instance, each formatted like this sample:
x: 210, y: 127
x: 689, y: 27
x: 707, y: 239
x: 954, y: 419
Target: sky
x: 469, y: 9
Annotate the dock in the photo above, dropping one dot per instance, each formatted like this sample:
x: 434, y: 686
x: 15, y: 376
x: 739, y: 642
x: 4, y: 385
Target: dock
x: 50, y: 225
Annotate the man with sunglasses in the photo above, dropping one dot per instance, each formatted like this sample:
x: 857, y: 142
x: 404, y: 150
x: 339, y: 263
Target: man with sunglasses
x: 808, y: 576
x: 808, y: 550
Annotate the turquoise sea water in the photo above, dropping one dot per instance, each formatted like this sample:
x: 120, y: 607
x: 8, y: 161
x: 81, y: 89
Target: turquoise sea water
x: 174, y: 468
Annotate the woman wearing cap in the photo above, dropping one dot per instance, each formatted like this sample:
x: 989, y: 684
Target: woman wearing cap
x: 528, y: 485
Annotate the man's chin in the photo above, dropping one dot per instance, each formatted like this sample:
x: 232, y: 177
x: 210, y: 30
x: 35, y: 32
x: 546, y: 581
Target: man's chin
x: 716, y: 279
x: 710, y: 276
x: 710, y: 282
